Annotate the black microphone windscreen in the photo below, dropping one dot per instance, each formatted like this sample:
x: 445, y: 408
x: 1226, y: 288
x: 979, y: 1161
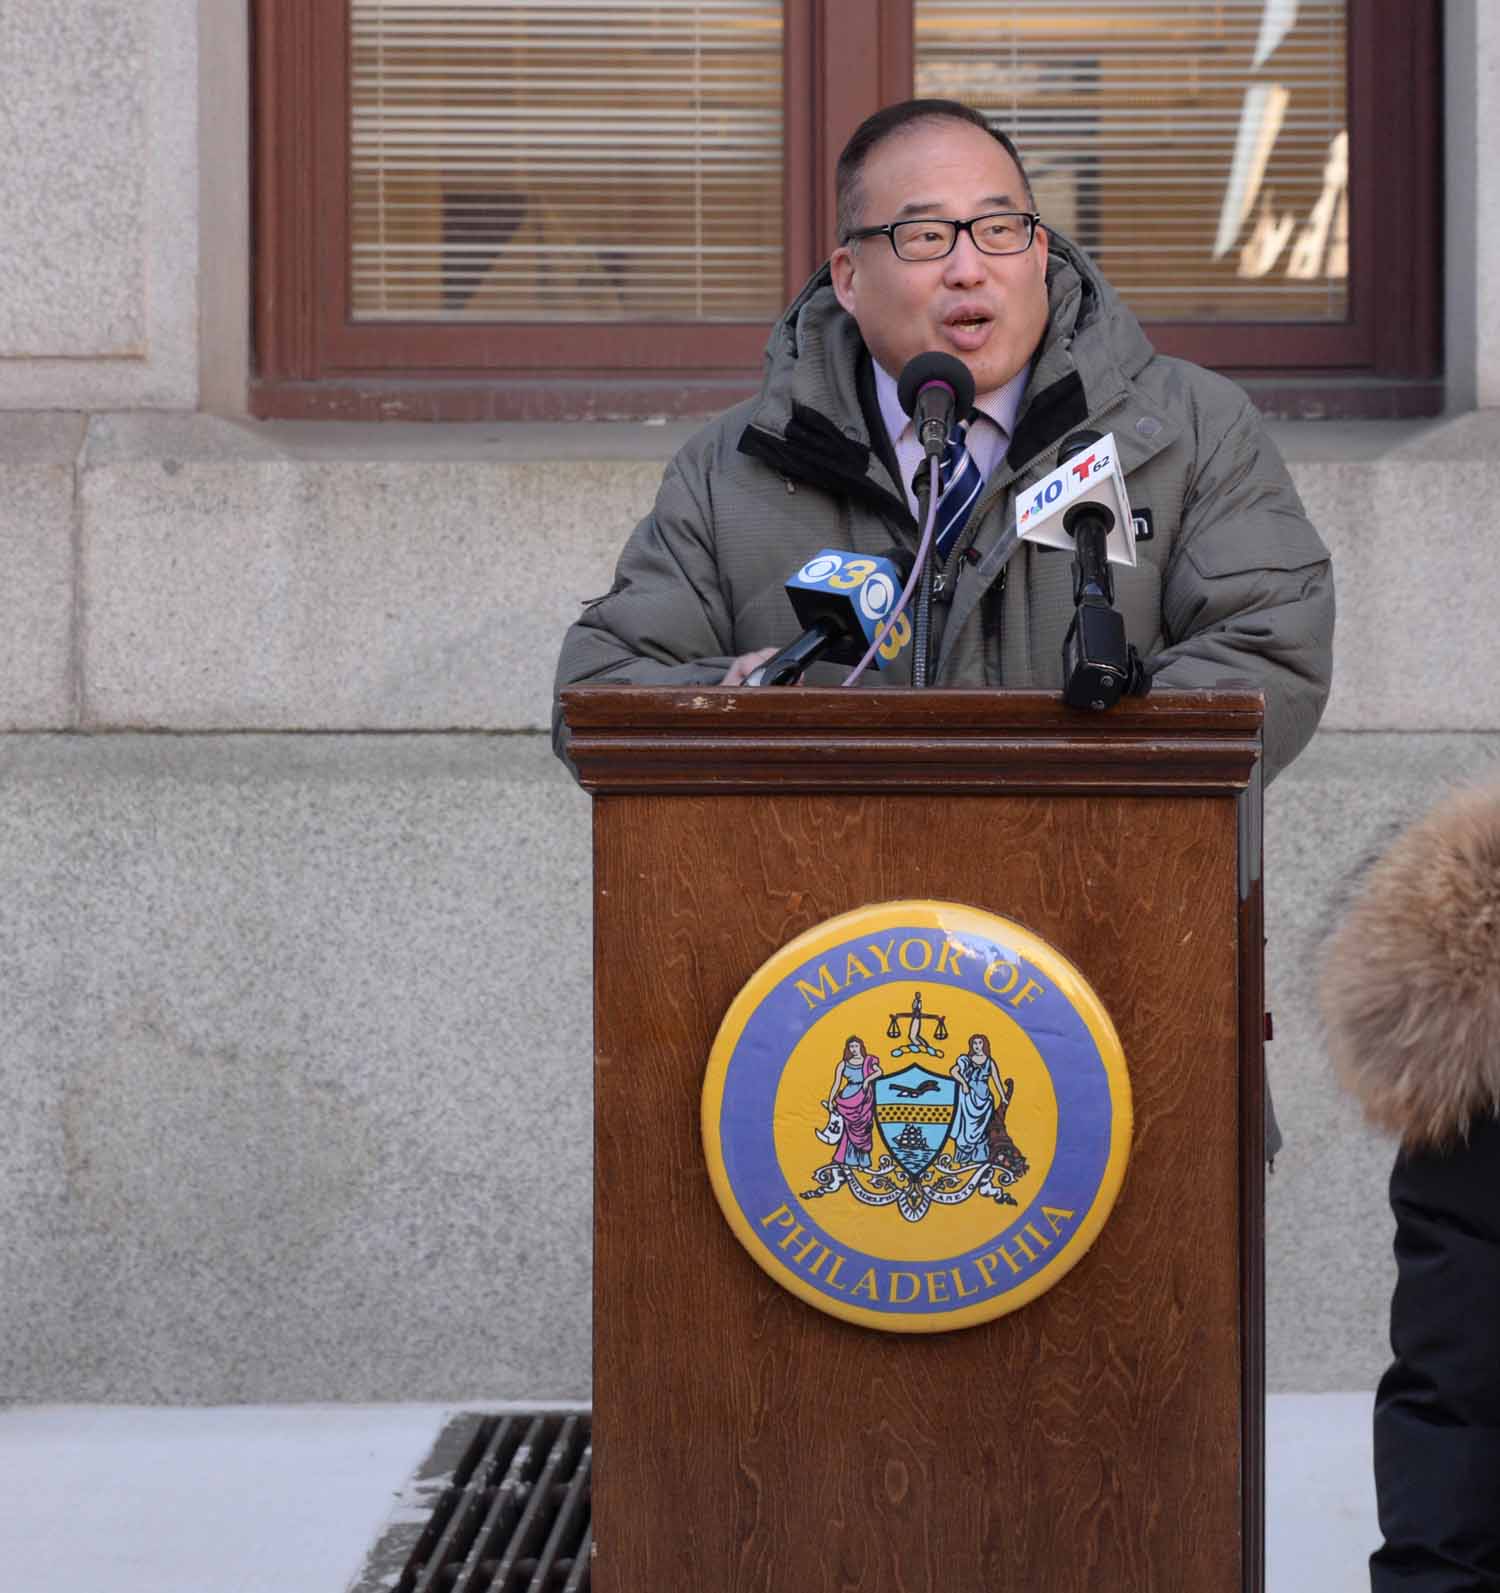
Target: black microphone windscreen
x: 936, y: 367
x: 1077, y: 443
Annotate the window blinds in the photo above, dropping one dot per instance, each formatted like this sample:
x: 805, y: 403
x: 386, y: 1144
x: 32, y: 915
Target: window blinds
x: 579, y: 160
x: 1196, y: 148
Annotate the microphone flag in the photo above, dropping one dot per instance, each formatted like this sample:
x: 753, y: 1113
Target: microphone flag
x: 1093, y: 476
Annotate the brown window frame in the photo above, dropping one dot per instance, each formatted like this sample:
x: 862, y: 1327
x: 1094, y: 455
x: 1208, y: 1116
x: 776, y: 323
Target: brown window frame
x: 314, y: 361
x: 1385, y: 360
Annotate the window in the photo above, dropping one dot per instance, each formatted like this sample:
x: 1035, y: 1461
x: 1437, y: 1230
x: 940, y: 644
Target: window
x: 1200, y: 153
x: 480, y: 193
x: 586, y: 208
x: 1210, y: 155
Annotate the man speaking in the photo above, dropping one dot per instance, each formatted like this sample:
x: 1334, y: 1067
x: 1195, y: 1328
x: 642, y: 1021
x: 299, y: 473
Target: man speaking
x: 941, y: 250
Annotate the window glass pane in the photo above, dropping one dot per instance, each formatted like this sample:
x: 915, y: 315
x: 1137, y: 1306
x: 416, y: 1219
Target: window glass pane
x: 579, y: 160
x: 1197, y: 148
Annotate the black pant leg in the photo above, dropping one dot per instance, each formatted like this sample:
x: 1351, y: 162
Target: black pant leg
x: 1437, y: 1412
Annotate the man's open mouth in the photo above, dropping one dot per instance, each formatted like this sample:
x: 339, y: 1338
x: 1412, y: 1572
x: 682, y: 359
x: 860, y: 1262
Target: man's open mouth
x: 968, y: 330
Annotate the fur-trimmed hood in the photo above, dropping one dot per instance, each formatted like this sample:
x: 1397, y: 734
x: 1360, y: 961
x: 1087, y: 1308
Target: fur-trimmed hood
x: 1411, y: 985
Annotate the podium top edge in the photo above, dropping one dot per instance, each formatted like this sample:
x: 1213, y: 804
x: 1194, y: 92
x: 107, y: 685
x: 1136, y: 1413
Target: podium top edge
x: 941, y: 712
x: 729, y: 739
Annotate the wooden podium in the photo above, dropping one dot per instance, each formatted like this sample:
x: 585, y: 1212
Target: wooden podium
x: 1107, y: 1435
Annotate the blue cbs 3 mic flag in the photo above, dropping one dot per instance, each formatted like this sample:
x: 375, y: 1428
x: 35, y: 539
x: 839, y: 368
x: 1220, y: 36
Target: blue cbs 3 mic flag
x: 852, y: 596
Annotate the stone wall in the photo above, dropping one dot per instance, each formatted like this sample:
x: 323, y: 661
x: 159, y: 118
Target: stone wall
x: 294, y: 943
x: 99, y: 190
x: 294, y: 924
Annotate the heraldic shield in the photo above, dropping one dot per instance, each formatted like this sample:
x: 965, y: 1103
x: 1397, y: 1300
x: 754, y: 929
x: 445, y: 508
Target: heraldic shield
x: 914, y: 1110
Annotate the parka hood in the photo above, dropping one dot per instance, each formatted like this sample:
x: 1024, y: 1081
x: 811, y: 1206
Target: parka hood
x: 1411, y: 985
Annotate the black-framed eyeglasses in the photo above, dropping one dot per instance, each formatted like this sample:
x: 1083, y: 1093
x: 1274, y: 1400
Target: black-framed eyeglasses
x: 1001, y: 232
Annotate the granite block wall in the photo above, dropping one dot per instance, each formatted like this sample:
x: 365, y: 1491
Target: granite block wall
x: 284, y: 857
x: 98, y: 186
x: 293, y: 898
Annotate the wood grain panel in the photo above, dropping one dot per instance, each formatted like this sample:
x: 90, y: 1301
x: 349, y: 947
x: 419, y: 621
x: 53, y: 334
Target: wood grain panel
x: 1092, y: 1439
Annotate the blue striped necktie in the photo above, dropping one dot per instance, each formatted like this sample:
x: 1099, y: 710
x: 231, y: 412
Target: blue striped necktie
x: 960, y: 484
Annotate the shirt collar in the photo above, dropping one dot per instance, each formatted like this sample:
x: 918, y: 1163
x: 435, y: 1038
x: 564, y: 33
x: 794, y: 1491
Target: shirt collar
x: 1000, y: 406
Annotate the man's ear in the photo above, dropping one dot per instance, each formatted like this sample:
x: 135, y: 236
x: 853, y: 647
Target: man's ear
x: 842, y: 266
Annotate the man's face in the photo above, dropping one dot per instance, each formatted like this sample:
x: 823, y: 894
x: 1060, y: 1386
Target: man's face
x: 989, y: 310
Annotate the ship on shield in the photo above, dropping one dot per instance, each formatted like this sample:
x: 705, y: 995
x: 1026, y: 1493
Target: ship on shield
x: 914, y: 1113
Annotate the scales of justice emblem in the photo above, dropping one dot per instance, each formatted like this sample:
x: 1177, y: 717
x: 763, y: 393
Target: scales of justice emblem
x: 942, y: 1136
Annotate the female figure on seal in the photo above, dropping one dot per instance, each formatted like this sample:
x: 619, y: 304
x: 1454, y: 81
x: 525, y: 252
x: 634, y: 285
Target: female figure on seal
x: 851, y: 1105
x: 979, y: 1132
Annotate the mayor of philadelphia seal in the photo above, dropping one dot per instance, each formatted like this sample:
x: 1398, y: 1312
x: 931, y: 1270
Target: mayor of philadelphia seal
x: 916, y: 1116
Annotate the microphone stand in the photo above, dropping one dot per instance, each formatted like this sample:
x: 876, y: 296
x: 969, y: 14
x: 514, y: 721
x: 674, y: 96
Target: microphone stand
x: 921, y: 628
x: 1098, y: 663
x: 934, y: 389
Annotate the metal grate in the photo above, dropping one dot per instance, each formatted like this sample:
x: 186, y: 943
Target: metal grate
x: 501, y: 1505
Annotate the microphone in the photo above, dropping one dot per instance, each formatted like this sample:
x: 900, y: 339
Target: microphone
x: 935, y: 390
x: 1088, y: 476
x: 1098, y: 663
x: 843, y: 601
x: 1088, y: 519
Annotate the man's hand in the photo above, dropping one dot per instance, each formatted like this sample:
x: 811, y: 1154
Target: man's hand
x: 745, y: 664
